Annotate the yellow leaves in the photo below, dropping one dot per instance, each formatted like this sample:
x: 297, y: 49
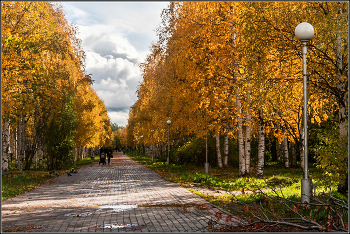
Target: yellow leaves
x: 325, y: 116
x: 318, y: 120
x: 315, y: 118
x: 42, y: 58
x: 214, y: 47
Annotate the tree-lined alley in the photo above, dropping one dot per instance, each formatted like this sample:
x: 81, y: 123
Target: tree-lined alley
x: 234, y: 70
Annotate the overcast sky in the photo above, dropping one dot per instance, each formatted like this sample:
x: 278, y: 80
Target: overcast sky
x: 116, y: 37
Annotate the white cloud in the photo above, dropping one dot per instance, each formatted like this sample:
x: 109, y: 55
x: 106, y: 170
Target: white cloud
x: 120, y: 117
x: 116, y: 37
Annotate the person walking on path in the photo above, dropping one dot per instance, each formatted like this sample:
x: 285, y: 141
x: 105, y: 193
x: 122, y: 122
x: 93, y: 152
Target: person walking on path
x: 103, y: 152
x: 109, y: 155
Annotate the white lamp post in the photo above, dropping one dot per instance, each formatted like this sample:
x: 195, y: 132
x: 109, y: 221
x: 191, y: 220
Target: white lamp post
x: 141, y: 151
x: 134, y: 146
x: 305, y: 32
x: 168, y: 123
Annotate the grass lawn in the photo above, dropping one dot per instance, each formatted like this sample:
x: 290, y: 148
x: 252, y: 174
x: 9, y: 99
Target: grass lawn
x: 20, y: 182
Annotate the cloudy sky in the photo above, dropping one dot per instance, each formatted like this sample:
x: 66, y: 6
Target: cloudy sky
x: 116, y: 37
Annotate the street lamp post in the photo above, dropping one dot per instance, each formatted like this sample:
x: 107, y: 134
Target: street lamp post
x: 305, y: 32
x: 141, y: 150
x: 152, y: 145
x: 168, y: 122
x: 134, y: 146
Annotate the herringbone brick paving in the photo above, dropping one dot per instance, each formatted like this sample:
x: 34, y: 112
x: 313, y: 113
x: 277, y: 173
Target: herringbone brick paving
x: 122, y: 197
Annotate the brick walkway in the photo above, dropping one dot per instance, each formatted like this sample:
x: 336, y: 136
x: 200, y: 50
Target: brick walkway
x: 121, y: 197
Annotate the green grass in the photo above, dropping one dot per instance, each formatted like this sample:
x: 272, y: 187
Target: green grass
x: 20, y: 182
x: 275, y: 176
x: 86, y: 161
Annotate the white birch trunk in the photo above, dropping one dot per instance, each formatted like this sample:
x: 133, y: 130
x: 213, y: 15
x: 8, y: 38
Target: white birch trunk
x: 242, y: 168
x: 226, y: 149
x: 218, y: 153
x: 248, y: 139
x: 5, y: 145
x: 261, y: 147
x: 16, y: 147
x: 286, y: 153
x: 18, y: 143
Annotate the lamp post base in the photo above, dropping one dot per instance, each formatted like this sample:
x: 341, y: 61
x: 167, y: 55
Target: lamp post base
x: 206, y: 168
x: 306, y: 190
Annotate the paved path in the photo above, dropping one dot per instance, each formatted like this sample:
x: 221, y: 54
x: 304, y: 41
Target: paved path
x: 122, y: 197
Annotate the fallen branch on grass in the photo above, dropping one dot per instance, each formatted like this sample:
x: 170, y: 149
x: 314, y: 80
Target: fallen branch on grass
x: 277, y: 213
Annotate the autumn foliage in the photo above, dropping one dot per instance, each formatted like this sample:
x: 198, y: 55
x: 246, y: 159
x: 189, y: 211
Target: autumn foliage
x: 48, y: 104
x: 234, y: 69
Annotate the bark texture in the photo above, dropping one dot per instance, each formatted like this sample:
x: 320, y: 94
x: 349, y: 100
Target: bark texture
x: 242, y: 168
x: 248, y: 138
x: 226, y: 149
x: 5, y: 145
x: 218, y: 153
x: 285, y: 146
x: 261, y: 147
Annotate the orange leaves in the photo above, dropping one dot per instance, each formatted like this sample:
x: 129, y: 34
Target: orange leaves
x: 295, y: 209
x: 42, y: 64
x: 209, y: 49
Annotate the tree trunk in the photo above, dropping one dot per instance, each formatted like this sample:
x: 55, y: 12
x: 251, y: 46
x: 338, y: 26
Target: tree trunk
x: 80, y: 156
x: 248, y: 140
x: 5, y: 145
x: 286, y: 153
x: 35, y: 160
x: 294, y: 155
x: 12, y: 146
x: 341, y: 85
x: 40, y: 155
x: 261, y: 147
x: 21, y: 139
x: 281, y: 151
x: 16, y: 151
x: 226, y: 149
x: 242, y: 169
x: 273, y: 148
x: 218, y: 153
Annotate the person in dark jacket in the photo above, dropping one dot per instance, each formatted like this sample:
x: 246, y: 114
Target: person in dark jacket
x: 109, y: 154
x: 103, y: 152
